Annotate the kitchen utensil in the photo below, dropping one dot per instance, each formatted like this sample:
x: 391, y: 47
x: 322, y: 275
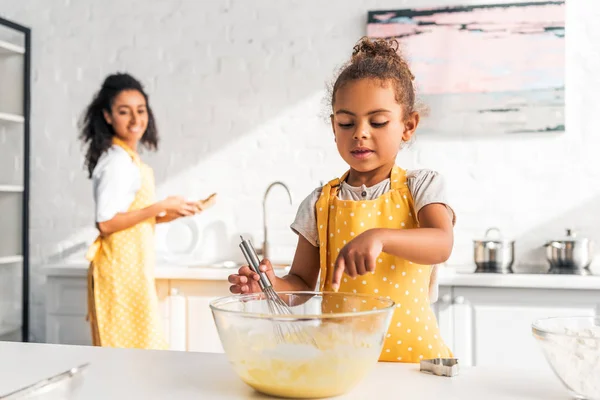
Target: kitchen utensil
x: 569, y: 254
x: 48, y: 386
x: 207, y: 202
x: 286, y: 331
x: 494, y: 254
x: 571, y: 346
x: 440, y: 366
x: 349, y: 330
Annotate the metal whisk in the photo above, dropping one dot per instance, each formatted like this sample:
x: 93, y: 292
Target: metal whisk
x: 286, y: 332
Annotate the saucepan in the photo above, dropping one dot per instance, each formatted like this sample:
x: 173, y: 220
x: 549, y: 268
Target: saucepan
x: 493, y: 253
x: 569, y: 252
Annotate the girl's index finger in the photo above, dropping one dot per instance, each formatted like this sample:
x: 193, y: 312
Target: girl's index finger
x: 338, y: 272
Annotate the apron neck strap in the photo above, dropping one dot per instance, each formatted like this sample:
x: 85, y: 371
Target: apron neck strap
x: 134, y: 156
x: 397, y: 178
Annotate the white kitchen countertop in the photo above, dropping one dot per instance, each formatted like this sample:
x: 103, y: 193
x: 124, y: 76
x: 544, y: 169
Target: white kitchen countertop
x: 448, y: 276
x: 77, y: 268
x: 143, y: 374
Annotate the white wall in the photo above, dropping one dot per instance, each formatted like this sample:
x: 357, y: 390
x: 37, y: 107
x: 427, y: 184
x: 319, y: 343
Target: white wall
x: 238, y: 90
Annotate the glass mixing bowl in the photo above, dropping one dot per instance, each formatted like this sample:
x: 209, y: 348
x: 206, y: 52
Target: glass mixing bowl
x: 571, y: 346
x: 328, y: 343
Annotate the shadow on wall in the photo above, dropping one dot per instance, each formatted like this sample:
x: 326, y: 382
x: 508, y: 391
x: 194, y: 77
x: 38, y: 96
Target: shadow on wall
x: 583, y: 219
x: 208, y: 88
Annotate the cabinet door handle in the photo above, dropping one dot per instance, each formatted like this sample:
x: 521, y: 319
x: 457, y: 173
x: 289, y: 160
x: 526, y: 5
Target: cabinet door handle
x: 459, y: 300
x: 446, y: 299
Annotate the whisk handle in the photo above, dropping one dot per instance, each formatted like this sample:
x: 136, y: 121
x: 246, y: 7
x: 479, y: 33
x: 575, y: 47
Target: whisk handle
x: 254, y: 263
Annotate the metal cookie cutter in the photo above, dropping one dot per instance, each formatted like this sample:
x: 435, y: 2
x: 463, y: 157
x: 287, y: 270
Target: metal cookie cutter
x: 440, y: 366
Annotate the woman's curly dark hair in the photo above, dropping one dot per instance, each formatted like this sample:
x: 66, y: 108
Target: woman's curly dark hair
x: 97, y: 132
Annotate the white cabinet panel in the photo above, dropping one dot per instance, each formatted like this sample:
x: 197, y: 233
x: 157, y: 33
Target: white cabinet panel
x: 444, y: 314
x: 67, y: 296
x: 202, y: 332
x: 492, y: 326
x: 502, y: 335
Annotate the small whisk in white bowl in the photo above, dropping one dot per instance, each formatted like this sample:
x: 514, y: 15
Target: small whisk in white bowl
x: 285, y: 331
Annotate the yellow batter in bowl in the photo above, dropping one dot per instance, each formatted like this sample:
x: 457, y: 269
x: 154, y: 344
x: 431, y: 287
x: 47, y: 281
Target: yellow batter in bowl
x: 348, y: 343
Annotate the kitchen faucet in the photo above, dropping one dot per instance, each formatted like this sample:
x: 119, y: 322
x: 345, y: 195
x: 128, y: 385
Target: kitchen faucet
x: 264, y: 252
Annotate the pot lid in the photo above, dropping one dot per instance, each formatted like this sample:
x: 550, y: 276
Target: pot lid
x: 493, y: 235
x: 570, y: 236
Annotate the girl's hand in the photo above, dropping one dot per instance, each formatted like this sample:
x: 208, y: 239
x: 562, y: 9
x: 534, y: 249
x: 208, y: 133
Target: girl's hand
x: 177, y: 205
x: 246, y: 280
x: 358, y: 257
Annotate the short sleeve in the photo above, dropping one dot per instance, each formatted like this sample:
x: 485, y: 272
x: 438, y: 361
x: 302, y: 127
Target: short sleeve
x: 305, y: 223
x: 116, y: 179
x: 428, y: 187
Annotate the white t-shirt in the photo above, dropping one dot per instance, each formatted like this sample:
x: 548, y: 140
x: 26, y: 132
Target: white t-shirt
x: 115, y: 179
x: 426, y: 187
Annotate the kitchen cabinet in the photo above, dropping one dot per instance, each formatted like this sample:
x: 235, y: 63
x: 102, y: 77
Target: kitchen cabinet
x: 66, y: 311
x: 483, y: 325
x: 199, y: 328
x: 492, y: 326
x: 183, y: 304
x: 14, y: 180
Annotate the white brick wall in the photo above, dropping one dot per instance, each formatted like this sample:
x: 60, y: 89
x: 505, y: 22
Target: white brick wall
x: 238, y: 89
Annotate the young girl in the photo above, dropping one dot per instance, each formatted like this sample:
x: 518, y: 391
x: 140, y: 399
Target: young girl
x: 378, y: 229
x: 122, y: 300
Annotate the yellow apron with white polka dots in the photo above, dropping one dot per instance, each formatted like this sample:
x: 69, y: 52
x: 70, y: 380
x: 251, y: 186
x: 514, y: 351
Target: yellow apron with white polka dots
x: 122, y: 298
x: 413, y: 333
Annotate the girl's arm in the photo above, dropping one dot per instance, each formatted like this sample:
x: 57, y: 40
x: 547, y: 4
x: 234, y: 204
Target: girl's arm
x: 303, y: 274
x: 430, y: 244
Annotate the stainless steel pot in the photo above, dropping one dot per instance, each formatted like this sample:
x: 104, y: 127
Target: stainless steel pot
x: 569, y: 254
x: 494, y: 254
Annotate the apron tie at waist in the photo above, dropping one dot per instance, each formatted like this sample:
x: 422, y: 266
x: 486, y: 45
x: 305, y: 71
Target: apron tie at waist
x: 90, y: 255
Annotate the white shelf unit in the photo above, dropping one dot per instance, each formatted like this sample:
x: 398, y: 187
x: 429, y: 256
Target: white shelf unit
x: 11, y: 188
x: 15, y: 78
x: 10, y: 260
x: 11, y: 117
x: 11, y: 48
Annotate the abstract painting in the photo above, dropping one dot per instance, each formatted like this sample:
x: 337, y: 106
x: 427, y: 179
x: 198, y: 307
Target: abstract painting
x: 483, y: 69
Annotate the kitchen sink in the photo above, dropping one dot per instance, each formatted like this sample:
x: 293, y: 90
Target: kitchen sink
x: 234, y: 265
x: 223, y: 264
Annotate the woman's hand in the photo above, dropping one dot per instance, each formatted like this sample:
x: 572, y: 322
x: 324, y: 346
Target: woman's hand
x: 177, y: 206
x: 358, y: 257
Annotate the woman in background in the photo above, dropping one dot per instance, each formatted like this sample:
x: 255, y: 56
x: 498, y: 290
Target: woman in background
x: 122, y: 299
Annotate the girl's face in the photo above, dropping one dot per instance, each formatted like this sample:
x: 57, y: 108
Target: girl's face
x: 369, y: 124
x: 128, y: 116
